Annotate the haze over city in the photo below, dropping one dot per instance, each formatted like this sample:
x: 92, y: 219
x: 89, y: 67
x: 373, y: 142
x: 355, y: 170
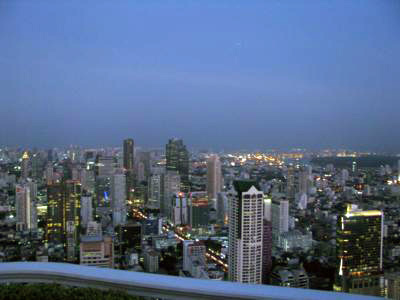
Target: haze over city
x: 220, y: 75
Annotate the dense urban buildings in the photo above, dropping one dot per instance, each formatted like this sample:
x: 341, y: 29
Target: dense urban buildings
x: 287, y: 219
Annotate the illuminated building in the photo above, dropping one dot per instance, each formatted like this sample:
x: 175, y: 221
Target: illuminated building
x: 129, y: 163
x: 95, y: 249
x: 359, y: 246
x: 25, y: 206
x: 177, y: 157
x: 267, y: 250
x: 25, y: 165
x: 55, y: 213
x: 214, y: 178
x: 180, y: 209
x: 279, y: 217
x: 154, y: 200
x: 199, y: 210
x: 118, y: 199
x: 222, y: 208
x: 245, y: 232
x: 72, y: 215
x: 170, y: 185
x: 86, y: 210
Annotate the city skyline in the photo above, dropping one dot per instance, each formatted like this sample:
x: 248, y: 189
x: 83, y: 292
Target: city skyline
x: 284, y: 74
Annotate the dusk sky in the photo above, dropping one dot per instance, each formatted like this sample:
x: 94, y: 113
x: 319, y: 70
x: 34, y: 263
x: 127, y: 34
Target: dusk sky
x: 219, y: 74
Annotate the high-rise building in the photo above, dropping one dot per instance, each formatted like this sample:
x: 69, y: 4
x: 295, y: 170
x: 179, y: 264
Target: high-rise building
x: 105, y: 166
x: 214, y: 177
x: 129, y: 154
x: 95, y: 249
x: 25, y: 207
x: 170, y: 185
x: 154, y: 200
x: 180, y: 209
x: 199, y: 210
x: 279, y: 217
x: 86, y: 210
x: 245, y: 232
x: 55, y: 213
x: 72, y: 215
x: 359, y: 247
x: 118, y: 199
x: 25, y: 165
x: 177, y: 157
x: 129, y: 164
x: 267, y: 250
x: 222, y: 208
x: 192, y: 249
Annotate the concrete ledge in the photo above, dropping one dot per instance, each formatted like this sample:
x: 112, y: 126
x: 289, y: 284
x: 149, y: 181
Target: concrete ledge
x: 145, y: 284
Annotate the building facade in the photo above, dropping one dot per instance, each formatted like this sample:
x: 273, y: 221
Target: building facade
x: 245, y: 232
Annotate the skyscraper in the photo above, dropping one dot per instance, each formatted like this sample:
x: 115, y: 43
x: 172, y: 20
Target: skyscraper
x: 170, y: 185
x: 359, y: 247
x: 279, y: 217
x: 25, y: 165
x: 55, y: 213
x: 214, y: 177
x: 72, y: 221
x: 199, y: 210
x: 129, y: 164
x: 267, y: 250
x: 86, y: 210
x: 178, y: 160
x: 118, y: 199
x: 25, y: 207
x: 245, y: 232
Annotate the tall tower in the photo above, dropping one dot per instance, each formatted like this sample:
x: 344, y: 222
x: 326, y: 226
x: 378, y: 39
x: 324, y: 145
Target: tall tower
x: 178, y: 160
x: 214, y: 179
x: 25, y: 165
x: 129, y: 163
x: 55, y: 213
x: 118, y: 199
x: 25, y: 207
x: 245, y: 232
x: 279, y: 217
x: 359, y: 248
x: 72, y: 219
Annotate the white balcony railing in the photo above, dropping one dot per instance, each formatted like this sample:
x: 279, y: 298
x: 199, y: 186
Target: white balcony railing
x: 152, y: 285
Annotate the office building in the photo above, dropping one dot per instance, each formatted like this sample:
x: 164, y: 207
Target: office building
x: 55, y: 213
x: 245, y: 232
x: 177, y: 159
x: 279, y: 217
x: 154, y: 200
x: 170, y: 184
x: 25, y: 207
x: 118, y: 199
x: 214, y: 177
x: 129, y: 164
x: 199, y: 210
x: 359, y: 247
x: 86, y: 210
x: 25, y: 165
x: 95, y: 249
x: 151, y: 261
x: 222, y: 208
x: 72, y: 215
x: 267, y: 251
x: 180, y: 209
x: 295, y: 277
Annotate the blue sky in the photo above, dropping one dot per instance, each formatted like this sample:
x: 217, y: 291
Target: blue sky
x: 219, y: 74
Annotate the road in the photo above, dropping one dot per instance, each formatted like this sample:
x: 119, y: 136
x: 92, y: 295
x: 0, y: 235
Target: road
x: 168, y: 228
